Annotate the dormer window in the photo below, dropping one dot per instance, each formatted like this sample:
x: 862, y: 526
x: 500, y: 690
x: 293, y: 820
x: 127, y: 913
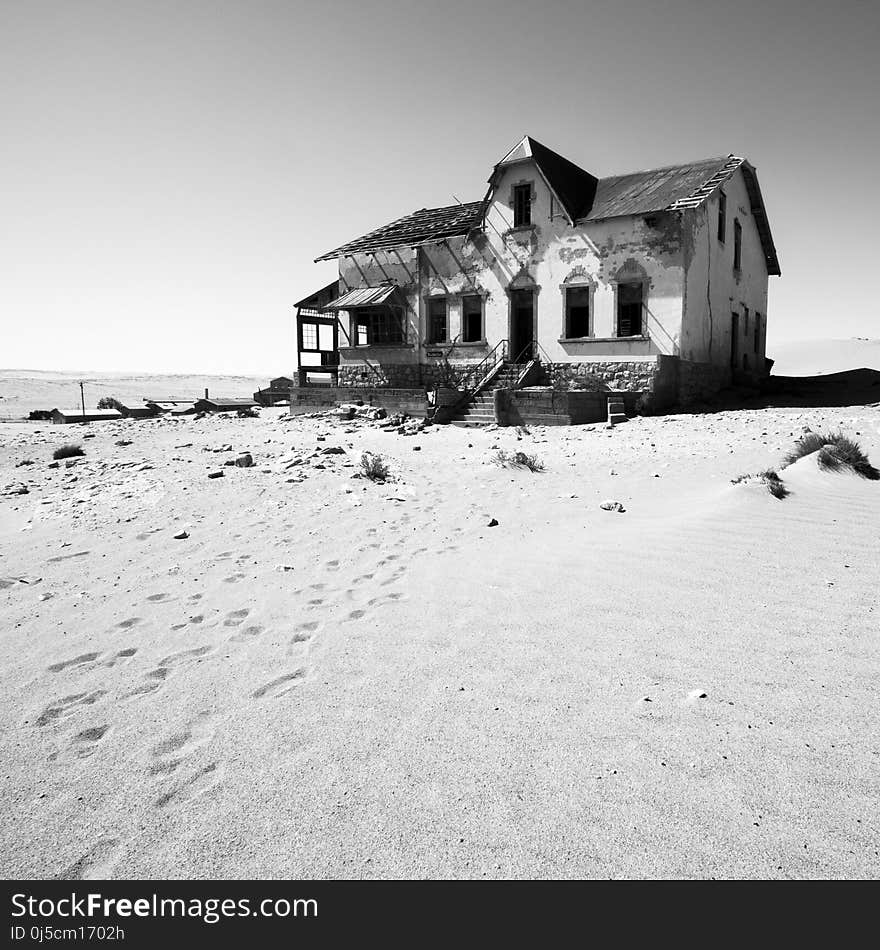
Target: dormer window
x: 522, y: 206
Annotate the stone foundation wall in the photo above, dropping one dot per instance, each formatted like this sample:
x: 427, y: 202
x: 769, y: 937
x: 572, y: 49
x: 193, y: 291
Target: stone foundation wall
x: 403, y: 375
x: 601, y: 376
x: 310, y: 398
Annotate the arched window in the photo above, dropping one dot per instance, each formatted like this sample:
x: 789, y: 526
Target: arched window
x: 632, y: 285
x: 577, y: 295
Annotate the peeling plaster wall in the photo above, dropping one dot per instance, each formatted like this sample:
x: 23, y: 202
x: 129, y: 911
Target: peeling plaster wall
x: 706, y: 336
x: 544, y: 256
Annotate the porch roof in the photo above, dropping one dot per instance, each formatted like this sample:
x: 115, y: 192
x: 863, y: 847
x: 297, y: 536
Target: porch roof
x: 362, y: 297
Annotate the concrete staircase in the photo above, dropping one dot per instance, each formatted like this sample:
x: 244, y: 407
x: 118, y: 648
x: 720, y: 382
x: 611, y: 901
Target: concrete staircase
x: 480, y: 411
x: 616, y: 409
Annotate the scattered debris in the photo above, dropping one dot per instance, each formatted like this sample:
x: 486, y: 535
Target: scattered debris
x: 611, y: 505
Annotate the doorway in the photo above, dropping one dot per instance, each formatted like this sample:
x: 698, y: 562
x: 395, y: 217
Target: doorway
x: 522, y: 325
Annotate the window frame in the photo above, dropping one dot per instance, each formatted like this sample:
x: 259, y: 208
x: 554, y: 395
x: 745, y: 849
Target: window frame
x: 365, y: 319
x: 482, y: 310
x: 430, y: 339
x: 722, y: 218
x: 580, y: 286
x: 641, y: 284
x: 522, y: 205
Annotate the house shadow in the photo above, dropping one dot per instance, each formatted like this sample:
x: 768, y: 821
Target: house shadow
x: 854, y: 387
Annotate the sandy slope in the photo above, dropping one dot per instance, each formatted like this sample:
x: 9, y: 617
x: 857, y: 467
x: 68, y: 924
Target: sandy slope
x: 810, y: 357
x: 331, y: 678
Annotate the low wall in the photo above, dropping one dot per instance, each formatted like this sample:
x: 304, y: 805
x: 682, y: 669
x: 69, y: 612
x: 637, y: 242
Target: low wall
x: 404, y: 375
x: 548, y: 406
x: 309, y: 398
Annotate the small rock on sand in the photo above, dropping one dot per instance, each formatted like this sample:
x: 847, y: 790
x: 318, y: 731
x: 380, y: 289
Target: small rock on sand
x: 181, y: 536
x: 611, y: 505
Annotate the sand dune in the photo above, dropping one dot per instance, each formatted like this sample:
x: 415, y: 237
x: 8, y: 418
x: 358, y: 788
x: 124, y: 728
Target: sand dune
x: 335, y: 678
x: 815, y: 357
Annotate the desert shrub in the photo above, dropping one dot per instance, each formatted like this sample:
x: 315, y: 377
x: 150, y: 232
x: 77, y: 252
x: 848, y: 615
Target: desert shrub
x: 835, y: 450
x: 374, y: 467
x: 67, y: 451
x: 769, y: 478
x: 110, y: 402
x: 518, y: 460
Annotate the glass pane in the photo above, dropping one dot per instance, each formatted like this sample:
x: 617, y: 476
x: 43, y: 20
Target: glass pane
x: 325, y: 336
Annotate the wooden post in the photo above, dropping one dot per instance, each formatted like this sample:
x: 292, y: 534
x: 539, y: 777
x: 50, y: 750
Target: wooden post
x: 82, y: 399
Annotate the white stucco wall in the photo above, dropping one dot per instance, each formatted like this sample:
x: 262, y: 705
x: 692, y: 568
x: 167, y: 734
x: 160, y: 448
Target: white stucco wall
x: 706, y: 333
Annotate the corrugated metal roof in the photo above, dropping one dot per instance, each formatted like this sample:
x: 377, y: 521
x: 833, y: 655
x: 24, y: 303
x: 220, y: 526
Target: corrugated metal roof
x: 656, y: 189
x: 421, y: 227
x: 362, y: 297
x: 90, y: 413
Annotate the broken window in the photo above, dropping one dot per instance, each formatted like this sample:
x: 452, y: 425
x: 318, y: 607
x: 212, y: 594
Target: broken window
x: 437, y: 320
x: 577, y: 311
x: 472, y: 319
x: 378, y: 326
x: 522, y: 205
x: 737, y: 244
x: 629, y: 309
x: 722, y: 216
x: 310, y: 336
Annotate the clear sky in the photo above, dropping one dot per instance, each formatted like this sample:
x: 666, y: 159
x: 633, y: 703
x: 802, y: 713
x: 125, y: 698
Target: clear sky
x: 169, y: 169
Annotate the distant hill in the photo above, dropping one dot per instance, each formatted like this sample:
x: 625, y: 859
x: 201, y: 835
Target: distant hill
x: 821, y: 357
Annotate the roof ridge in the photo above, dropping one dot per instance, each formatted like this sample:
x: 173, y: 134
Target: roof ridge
x: 663, y: 168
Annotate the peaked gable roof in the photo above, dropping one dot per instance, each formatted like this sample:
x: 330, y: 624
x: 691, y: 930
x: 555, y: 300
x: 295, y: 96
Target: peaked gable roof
x: 421, y: 227
x: 572, y: 185
x: 583, y: 197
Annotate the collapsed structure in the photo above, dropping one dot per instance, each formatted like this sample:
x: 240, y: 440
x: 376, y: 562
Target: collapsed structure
x: 559, y: 287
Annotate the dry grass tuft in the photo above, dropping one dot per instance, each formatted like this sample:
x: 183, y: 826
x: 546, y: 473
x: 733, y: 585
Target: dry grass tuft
x: 374, y: 467
x: 67, y: 451
x: 770, y: 478
x: 834, y: 451
x: 518, y: 460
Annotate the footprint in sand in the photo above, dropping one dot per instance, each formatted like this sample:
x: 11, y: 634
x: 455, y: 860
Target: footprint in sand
x: 129, y: 623
x: 203, y: 781
x: 386, y: 599
x: 235, y: 617
x: 123, y: 656
x: 234, y: 578
x: 248, y: 633
x: 97, y: 863
x: 355, y: 615
x: 76, y: 661
x: 68, y: 706
x: 67, y: 557
x: 168, y: 754
x: 85, y: 743
x: 280, y: 685
x: 157, y: 676
x: 332, y: 566
x: 157, y: 598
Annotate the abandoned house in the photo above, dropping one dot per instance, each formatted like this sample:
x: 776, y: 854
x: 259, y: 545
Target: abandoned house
x: 558, y: 288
